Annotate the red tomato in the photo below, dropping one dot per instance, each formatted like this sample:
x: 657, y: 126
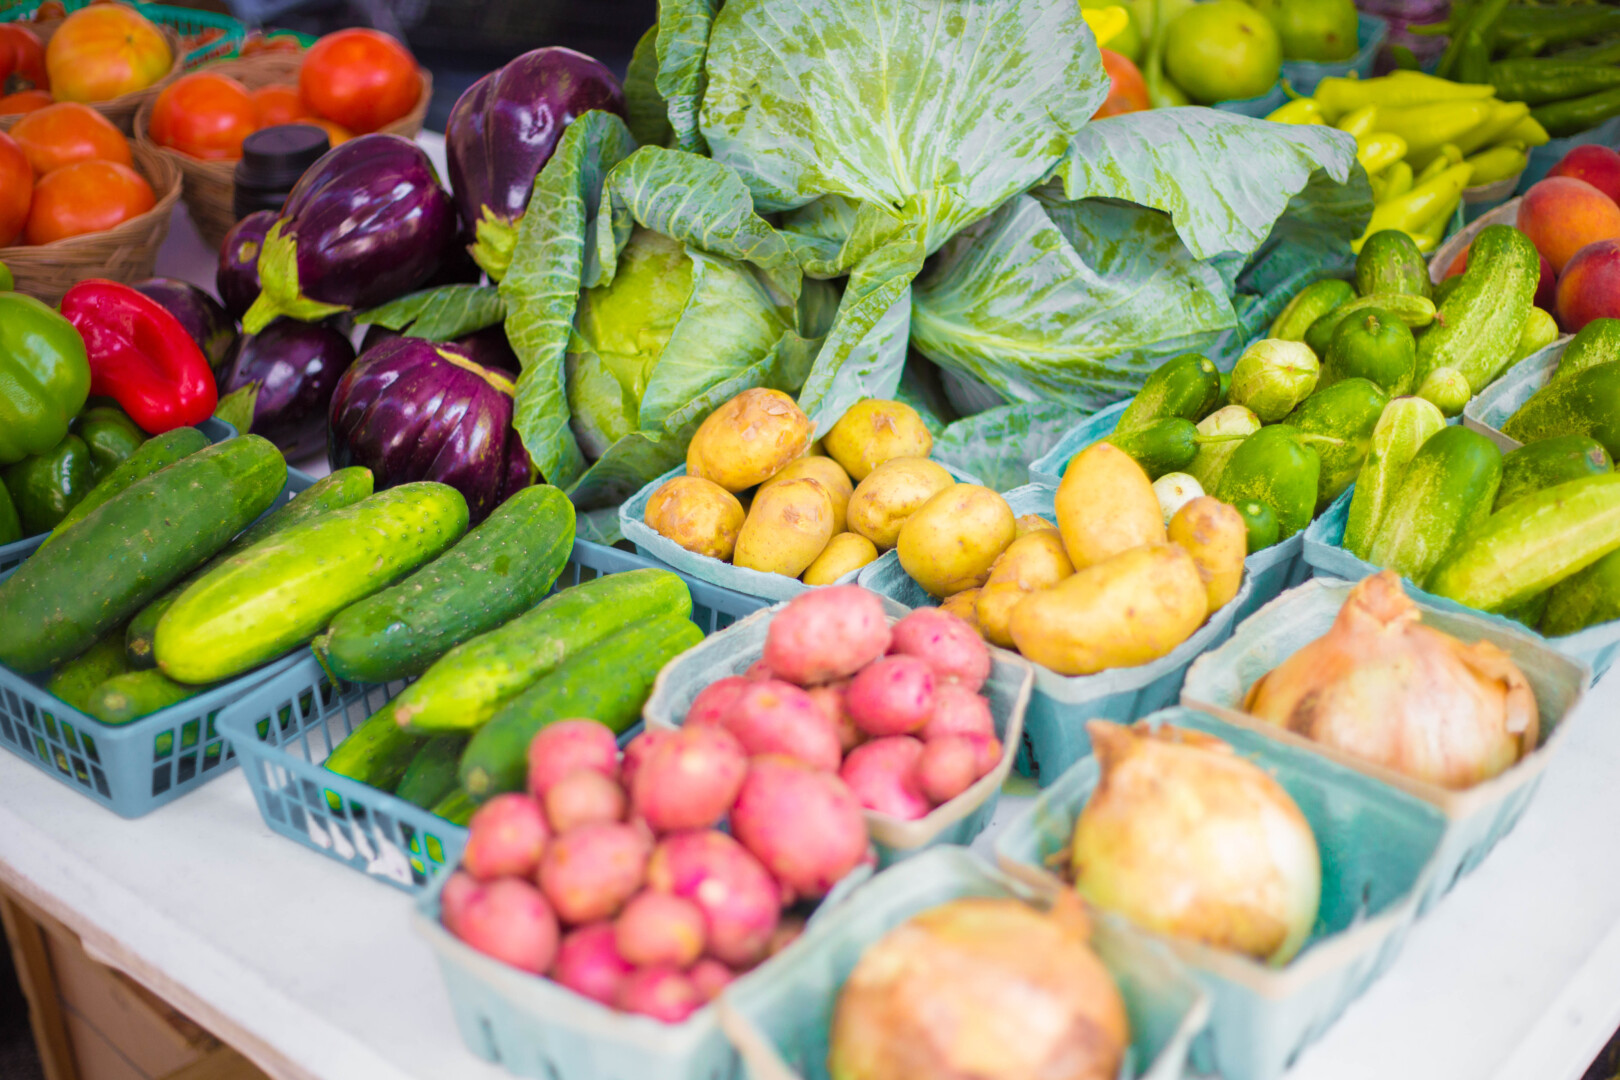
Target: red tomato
x: 105, y: 51
x: 22, y: 60
x: 1127, y: 92
x: 204, y: 115
x: 336, y: 134
x: 278, y: 103
x: 16, y: 190
x: 92, y: 196
x: 26, y: 101
x: 68, y: 132
x: 361, y: 79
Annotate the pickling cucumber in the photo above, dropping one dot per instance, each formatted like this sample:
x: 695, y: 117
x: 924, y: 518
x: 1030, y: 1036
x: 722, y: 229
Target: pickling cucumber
x: 1598, y: 342
x: 1259, y: 524
x: 1405, y: 425
x: 1161, y: 446
x: 457, y: 807
x: 1585, y: 598
x: 1446, y: 494
x: 1548, y: 463
x: 376, y: 753
x: 1390, y: 262
x: 134, y: 694
x: 1478, y: 326
x: 1338, y: 423
x: 1274, y: 467
x: 1185, y: 386
x: 431, y: 775
x: 1309, y: 304
x: 77, y: 679
x: 1586, y: 403
x: 152, y: 455
x: 1414, y: 311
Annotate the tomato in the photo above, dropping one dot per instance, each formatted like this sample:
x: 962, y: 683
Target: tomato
x: 68, y: 132
x: 361, y: 79
x: 16, y: 190
x: 336, y: 134
x: 257, y: 42
x: 1127, y: 92
x: 278, y: 103
x: 204, y: 115
x: 105, y: 51
x: 27, y: 101
x: 22, y: 60
x: 92, y: 196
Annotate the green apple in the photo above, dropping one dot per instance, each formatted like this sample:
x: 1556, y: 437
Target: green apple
x: 1222, y: 51
x: 1322, y: 30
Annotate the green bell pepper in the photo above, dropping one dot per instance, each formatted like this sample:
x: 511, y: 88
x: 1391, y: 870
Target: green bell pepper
x: 44, y: 377
x: 46, y: 486
x: 111, y: 436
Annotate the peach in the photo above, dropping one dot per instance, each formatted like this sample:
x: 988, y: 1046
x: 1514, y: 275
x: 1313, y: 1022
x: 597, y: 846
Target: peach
x: 1596, y: 164
x: 1589, y: 287
x: 1561, y: 215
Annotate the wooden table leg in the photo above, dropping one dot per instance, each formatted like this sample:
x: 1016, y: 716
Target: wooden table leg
x: 33, y: 964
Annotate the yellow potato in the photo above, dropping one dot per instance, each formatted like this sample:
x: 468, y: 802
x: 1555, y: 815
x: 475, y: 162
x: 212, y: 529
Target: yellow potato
x: 844, y: 552
x: 874, y: 431
x: 1106, y: 505
x: 891, y: 494
x: 1127, y: 610
x: 832, y: 477
x: 950, y: 542
x: 1214, y: 535
x: 748, y: 439
x: 697, y: 514
x: 1029, y: 523
x: 962, y: 605
x: 786, y: 530
x: 1032, y: 562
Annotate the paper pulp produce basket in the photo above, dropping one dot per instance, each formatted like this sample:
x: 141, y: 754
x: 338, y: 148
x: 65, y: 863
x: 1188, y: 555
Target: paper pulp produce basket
x: 1054, y: 727
x: 1496, y: 404
x: 1270, y: 571
x: 734, y: 650
x: 1378, y: 849
x: 1475, y: 819
x: 1303, y: 75
x: 780, y: 1020
x: 287, y: 727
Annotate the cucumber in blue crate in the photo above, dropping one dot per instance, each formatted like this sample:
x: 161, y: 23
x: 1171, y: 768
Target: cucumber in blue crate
x: 431, y: 775
x: 148, y: 458
x: 76, y: 680
x: 1548, y: 463
x: 125, y: 698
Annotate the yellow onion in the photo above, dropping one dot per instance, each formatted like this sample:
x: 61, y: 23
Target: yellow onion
x: 1384, y: 687
x: 980, y: 989
x: 1186, y: 838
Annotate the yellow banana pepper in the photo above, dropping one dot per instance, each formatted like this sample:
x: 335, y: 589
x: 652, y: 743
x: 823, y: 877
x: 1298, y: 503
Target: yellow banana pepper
x: 1401, y: 89
x: 1448, y: 156
x: 1106, y: 23
x: 1505, y: 115
x: 1380, y: 151
x: 1528, y: 131
x: 1397, y: 181
x: 1412, y: 211
x: 1496, y: 164
x: 1299, y: 111
x: 1426, y: 128
x: 1360, y: 122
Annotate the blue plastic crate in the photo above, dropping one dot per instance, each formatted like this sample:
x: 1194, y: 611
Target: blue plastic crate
x: 1303, y: 75
x: 287, y: 727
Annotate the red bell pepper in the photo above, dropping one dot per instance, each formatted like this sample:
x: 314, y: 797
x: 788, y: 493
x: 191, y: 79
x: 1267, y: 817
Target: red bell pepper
x: 141, y: 357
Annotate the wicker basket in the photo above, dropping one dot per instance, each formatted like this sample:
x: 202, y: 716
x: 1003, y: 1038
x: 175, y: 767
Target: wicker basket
x: 120, y: 110
x: 126, y: 252
x: 209, y: 187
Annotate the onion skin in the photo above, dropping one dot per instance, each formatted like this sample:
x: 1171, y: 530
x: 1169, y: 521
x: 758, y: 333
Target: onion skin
x: 1387, y: 689
x: 1185, y: 838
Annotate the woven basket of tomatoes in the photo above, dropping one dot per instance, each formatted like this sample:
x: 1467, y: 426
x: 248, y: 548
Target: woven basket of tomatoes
x: 78, y: 201
x: 107, y: 56
x: 351, y: 82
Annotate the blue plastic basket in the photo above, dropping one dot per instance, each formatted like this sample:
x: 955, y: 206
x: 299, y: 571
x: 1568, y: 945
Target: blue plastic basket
x: 1303, y: 75
x: 1475, y: 818
x: 1378, y: 851
x: 780, y: 1021
x: 287, y: 727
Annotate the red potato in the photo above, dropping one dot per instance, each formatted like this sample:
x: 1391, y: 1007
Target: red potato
x: 740, y: 901
x: 588, y: 963
x: 829, y: 633
x: 505, y: 838
x: 714, y: 701
x: 989, y: 750
x: 510, y: 921
x: 710, y: 976
x: 802, y: 823
x: 635, y: 753
x: 946, y: 643
x: 958, y: 711
x: 775, y: 717
x: 947, y: 767
x: 830, y: 700
x: 661, y: 993
x: 590, y: 872
x: 689, y: 779
x: 660, y: 929
x: 892, y: 696
x: 883, y: 776
x: 454, y: 898
x: 584, y: 797
x: 567, y: 745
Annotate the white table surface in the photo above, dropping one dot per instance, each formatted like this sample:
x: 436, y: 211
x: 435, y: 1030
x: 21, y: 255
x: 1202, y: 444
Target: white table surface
x: 311, y: 971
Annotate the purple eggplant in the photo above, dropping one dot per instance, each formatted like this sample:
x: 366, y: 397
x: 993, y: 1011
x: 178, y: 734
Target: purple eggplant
x: 411, y: 409
x: 503, y: 130
x: 209, y: 325
x: 367, y: 223
x: 487, y: 347
x: 296, y: 366
x: 237, y: 279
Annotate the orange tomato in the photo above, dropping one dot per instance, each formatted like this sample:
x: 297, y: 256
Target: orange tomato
x: 278, y: 103
x: 67, y: 132
x: 16, y: 190
x: 26, y: 101
x: 361, y: 79
x: 92, y: 196
x: 336, y: 134
x: 204, y: 115
x: 104, y: 51
x: 1127, y: 92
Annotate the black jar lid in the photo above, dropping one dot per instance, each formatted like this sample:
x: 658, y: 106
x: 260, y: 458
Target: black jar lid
x: 275, y: 157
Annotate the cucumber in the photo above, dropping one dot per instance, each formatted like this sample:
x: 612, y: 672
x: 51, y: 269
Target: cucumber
x: 470, y: 683
x: 135, y: 694
x: 1274, y: 467
x: 431, y: 775
x: 1185, y: 386
x: 1585, y: 598
x: 77, y: 679
x: 1390, y: 262
x: 1219, y: 435
x: 152, y: 455
x: 1478, y: 328
x: 457, y: 807
x: 1445, y: 289
x: 1260, y: 523
x: 280, y: 592
x: 1533, y: 544
x: 342, y: 488
x: 1415, y: 311
x: 1540, y: 331
x: 1598, y: 342
x: 1446, y: 494
x: 1548, y: 463
x: 376, y: 753
x: 1309, y: 304
x: 131, y: 548
x: 1530, y: 612
x: 608, y: 682
x: 1404, y: 426
x: 500, y: 569
x: 1586, y: 403
x: 1163, y: 446
x: 1338, y: 424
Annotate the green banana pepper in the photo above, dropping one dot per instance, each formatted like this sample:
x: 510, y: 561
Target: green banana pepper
x: 111, y: 436
x: 46, y: 486
x: 45, y: 375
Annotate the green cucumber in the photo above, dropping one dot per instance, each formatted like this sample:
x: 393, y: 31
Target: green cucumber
x: 77, y: 679
x: 470, y: 683
x: 1445, y: 289
x: 1185, y: 386
x: 1533, y: 544
x: 608, y: 682
x: 1390, y: 262
x: 1338, y: 424
x: 1162, y: 446
x: 1415, y: 311
x: 1219, y: 435
x: 1548, y: 463
x: 1373, y: 345
x: 457, y: 807
x: 431, y: 775
x: 132, y: 547
x: 342, y: 488
x: 1585, y: 598
x: 1260, y: 523
x: 153, y: 454
x: 1275, y: 467
x: 1586, y: 403
x: 1309, y: 304
x: 1404, y: 426
x: 376, y: 753
x: 1446, y: 495
x: 135, y: 694
x: 1540, y: 331
x: 280, y: 592
x: 1530, y: 612
x: 1477, y: 329
x: 1598, y: 342
x: 500, y: 569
